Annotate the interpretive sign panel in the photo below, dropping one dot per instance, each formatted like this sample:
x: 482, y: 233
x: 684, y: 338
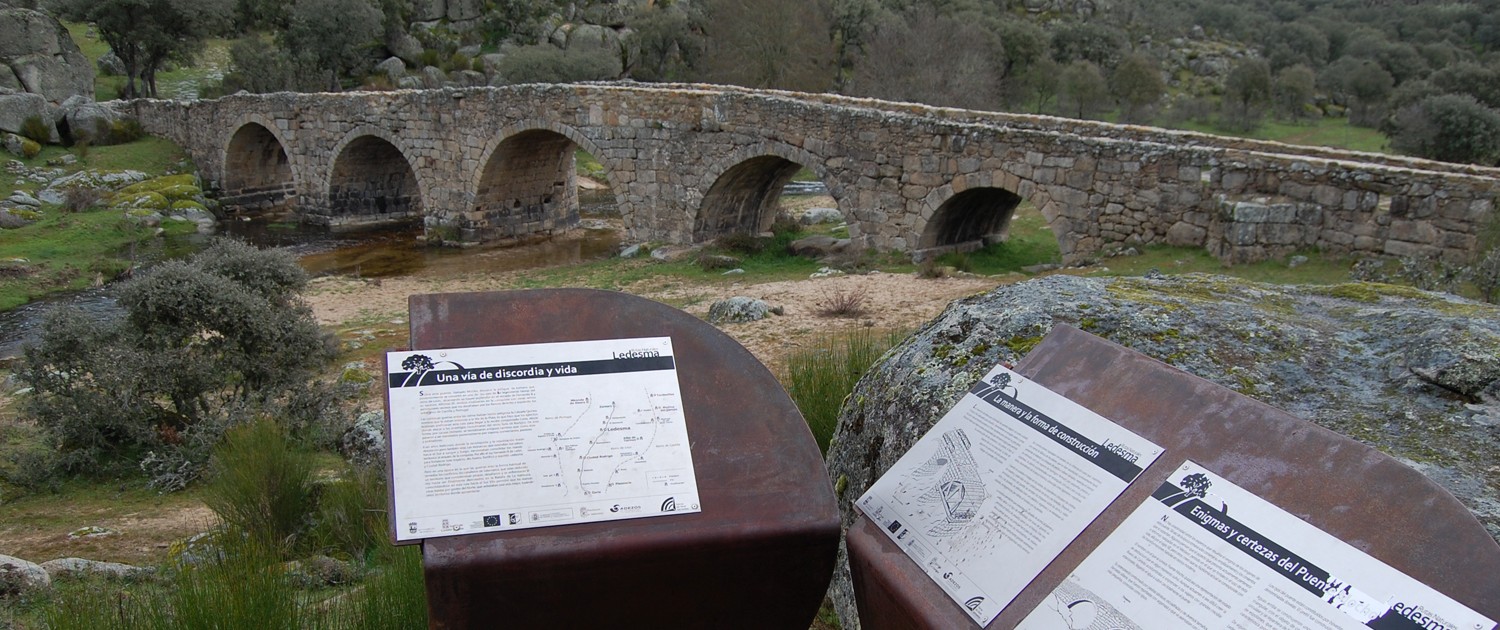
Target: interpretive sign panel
x: 502, y: 438
x: 1000, y: 485
x: 1204, y: 553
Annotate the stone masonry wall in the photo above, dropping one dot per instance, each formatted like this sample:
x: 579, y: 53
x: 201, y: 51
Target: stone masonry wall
x: 889, y: 166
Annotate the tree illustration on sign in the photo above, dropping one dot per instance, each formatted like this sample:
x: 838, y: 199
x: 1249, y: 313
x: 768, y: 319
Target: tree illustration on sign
x: 1194, y: 486
x: 420, y: 364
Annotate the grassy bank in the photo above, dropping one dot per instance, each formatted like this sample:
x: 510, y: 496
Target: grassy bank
x: 66, y: 250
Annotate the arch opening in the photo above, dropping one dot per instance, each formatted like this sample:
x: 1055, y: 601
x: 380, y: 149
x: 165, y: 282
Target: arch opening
x: 745, y: 199
x: 257, y: 173
x: 970, y: 220
x: 530, y: 185
x: 371, y: 184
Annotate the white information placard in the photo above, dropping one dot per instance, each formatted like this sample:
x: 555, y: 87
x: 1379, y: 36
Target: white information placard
x: 512, y: 437
x: 1204, y: 553
x: 1000, y: 485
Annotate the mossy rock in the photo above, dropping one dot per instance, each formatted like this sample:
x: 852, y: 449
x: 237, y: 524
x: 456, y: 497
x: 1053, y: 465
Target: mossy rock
x: 30, y: 148
x: 181, y: 192
x: 142, y: 200
x: 29, y: 215
x: 188, y: 205
x: 162, y: 185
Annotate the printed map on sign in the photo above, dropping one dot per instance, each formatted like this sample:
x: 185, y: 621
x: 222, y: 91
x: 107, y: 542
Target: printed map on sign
x: 511, y: 437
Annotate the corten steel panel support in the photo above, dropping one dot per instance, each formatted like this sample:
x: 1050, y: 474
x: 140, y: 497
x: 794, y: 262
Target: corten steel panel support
x: 759, y: 555
x: 1345, y: 488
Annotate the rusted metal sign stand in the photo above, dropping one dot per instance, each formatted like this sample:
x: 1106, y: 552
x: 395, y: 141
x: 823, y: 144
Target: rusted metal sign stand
x: 759, y: 555
x: 1347, y: 489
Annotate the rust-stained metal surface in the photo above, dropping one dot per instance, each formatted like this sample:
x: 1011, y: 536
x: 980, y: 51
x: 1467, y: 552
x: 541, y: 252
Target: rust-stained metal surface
x: 1345, y: 488
x: 759, y: 555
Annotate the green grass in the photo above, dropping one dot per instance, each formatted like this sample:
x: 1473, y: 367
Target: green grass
x: 67, y: 252
x: 1030, y: 242
x: 821, y: 376
x: 589, y: 166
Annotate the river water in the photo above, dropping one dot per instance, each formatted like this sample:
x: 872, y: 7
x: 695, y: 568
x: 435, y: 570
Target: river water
x: 369, y: 254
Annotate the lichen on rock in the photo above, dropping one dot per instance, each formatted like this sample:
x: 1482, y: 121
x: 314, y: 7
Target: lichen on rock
x: 1411, y: 373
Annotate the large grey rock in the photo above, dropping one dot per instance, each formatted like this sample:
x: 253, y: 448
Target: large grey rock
x: 87, y: 119
x: 16, y: 108
x: 738, y: 309
x: 80, y: 567
x: 1412, y: 373
x: 392, y: 68
x: 819, y: 246
x: 37, y: 50
x: 594, y: 38
x: 19, y: 576
x: 110, y: 65
x: 404, y: 46
x: 815, y: 216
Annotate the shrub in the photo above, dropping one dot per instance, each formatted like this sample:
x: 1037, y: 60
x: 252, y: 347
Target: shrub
x: 200, y: 343
x: 785, y: 226
x: 351, y: 515
x: 81, y: 198
x: 36, y: 129
x: 841, y: 303
x: 30, y: 148
x: 260, y: 485
x: 544, y: 63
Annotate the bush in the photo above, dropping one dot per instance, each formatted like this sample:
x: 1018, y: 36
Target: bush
x: 200, y: 344
x: 81, y: 198
x: 36, y: 129
x: 841, y: 303
x: 742, y: 243
x: 125, y: 130
x: 260, y: 485
x: 1449, y: 127
x: 544, y: 63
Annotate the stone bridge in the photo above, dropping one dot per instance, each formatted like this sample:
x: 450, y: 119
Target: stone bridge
x: 687, y: 163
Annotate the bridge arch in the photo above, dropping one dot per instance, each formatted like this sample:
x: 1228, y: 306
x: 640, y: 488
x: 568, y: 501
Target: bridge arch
x: 976, y: 210
x: 746, y: 189
x: 371, y: 182
x: 258, y: 175
x: 528, y: 181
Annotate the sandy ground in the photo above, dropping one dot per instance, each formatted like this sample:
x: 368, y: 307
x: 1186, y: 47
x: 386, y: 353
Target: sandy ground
x: 890, y: 302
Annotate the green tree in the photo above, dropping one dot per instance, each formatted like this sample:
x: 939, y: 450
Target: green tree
x: 1246, y: 91
x: 1137, y: 85
x: 545, y: 63
x: 1449, y: 127
x: 1293, y: 91
x: 1024, y: 45
x: 1082, y: 90
x: 1039, y: 82
x: 1368, y: 86
x: 145, y: 34
x: 1095, y: 43
x: 1480, y: 81
x: 782, y: 44
x: 332, y: 36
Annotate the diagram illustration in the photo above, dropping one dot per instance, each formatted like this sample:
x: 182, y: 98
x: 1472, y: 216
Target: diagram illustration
x: 948, y: 487
x: 602, y: 446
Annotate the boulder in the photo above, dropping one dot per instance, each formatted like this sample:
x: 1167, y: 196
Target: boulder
x: 433, y: 78
x: 84, y: 118
x: 393, y: 68
x: 63, y: 568
x: 404, y: 46
x: 110, y: 65
x: 469, y: 78
x: 818, y: 246
x: 1412, y: 373
x: 365, y: 442
x: 37, y: 51
x: 19, y: 576
x: 16, y: 108
x: 737, y: 310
